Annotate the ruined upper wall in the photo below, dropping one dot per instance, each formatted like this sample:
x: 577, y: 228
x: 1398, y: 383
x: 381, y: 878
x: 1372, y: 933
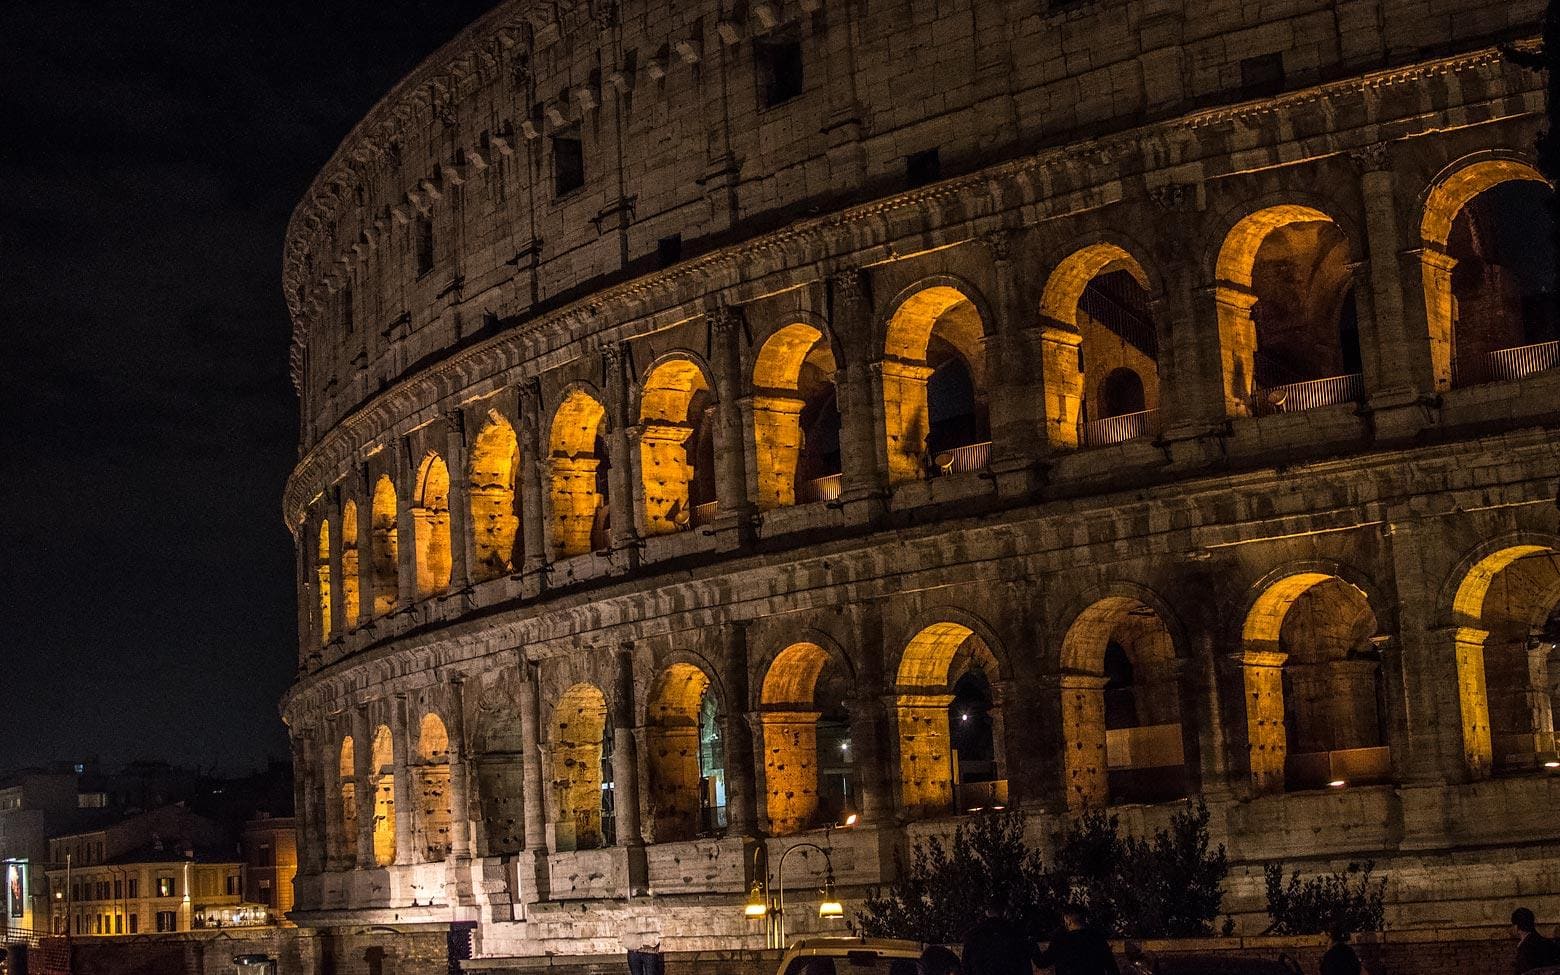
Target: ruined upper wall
x: 668, y: 101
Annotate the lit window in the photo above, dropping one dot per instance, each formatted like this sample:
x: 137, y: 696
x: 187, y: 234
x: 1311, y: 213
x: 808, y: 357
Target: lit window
x: 165, y: 887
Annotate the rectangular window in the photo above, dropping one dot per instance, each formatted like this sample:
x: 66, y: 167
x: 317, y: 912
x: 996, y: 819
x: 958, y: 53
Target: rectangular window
x: 424, y: 244
x: 923, y: 167
x: 1262, y: 76
x: 232, y: 885
x: 779, y: 69
x: 568, y: 155
x: 167, y: 921
x: 265, y: 894
x: 119, y: 924
x: 165, y: 887
x: 119, y: 889
x: 135, y: 924
x: 668, y: 251
x: 134, y: 888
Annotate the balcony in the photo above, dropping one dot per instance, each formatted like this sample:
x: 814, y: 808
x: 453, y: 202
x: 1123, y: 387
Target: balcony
x: 703, y: 514
x: 1308, y: 395
x: 1116, y: 429
x: 1517, y: 362
x: 1337, y: 768
x: 963, y: 460
x: 826, y: 488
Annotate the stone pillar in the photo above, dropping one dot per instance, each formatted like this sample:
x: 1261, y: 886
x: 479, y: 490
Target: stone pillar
x: 625, y: 751
x: 1032, y: 743
x: 873, y: 756
x: 902, y: 417
x: 307, y: 793
x: 1018, y: 418
x: 330, y: 782
x: 864, y: 480
x: 741, y: 753
x: 622, y: 475
x: 364, y: 786
x: 532, y: 797
x: 1085, y: 766
x: 459, y: 500
x: 1193, y: 396
x: 365, y: 543
x: 460, y: 807
x: 1266, y: 739
x: 843, y: 126
x: 339, y: 624
x: 405, y: 806
x: 790, y: 743
x: 735, y: 524
x: 1203, y: 726
x: 405, y: 475
x: 1539, y: 694
x: 533, y: 487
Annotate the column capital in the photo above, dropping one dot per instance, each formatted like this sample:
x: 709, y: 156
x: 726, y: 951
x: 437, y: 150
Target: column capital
x: 852, y: 287
x: 1372, y: 158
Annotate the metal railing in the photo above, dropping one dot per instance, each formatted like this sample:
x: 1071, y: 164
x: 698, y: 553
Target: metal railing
x: 962, y: 460
x: 1308, y: 395
x: 703, y: 514
x: 970, y: 796
x: 825, y: 488
x: 1517, y: 362
x: 1115, y: 429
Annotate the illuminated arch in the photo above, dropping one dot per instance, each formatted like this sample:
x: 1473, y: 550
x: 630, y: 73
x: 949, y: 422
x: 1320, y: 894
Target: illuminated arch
x: 495, y: 521
x: 676, y: 446
x: 1504, y: 610
x: 1081, y: 349
x: 933, y: 663
x: 1312, y: 677
x: 385, y: 565
x: 346, y: 771
x: 382, y: 783
x: 1301, y: 334
x: 576, y: 465
x: 1121, y: 714
x: 322, y: 572
x: 431, y: 526
x: 1448, y: 197
x: 933, y: 328
x: 350, y: 565
x: 680, y: 787
x: 795, y: 415
x: 436, y: 819
x: 789, y: 714
x: 579, y: 724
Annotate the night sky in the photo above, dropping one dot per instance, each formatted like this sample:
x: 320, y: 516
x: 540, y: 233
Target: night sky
x: 150, y: 155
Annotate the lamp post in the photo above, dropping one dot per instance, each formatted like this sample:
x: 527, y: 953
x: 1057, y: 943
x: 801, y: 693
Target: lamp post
x: 760, y: 903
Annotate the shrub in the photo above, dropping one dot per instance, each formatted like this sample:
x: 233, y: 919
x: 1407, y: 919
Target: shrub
x: 1349, y: 900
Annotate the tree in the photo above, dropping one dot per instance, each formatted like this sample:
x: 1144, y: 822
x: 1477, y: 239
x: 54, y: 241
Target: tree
x: 1348, y: 900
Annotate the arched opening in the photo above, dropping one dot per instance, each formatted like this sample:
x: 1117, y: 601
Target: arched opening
x: 1287, y: 331
x: 796, y: 418
x: 495, y: 518
x: 1121, y: 707
x: 577, y: 462
x: 1313, y: 686
x: 806, y: 740
x: 431, y: 526
x: 386, y: 547
x: 947, y: 667
x: 322, y: 573
x: 435, y: 817
x: 580, y: 754
x: 1488, y: 265
x: 934, y: 396
x: 677, y: 448
x: 382, y: 774
x: 687, y: 788
x: 343, y: 845
x: 496, y: 767
x: 1508, y: 613
x: 350, y: 566
x: 1097, y: 302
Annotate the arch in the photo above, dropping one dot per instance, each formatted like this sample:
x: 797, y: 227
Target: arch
x: 806, y: 739
x: 676, y: 445
x: 1450, y: 248
x: 344, y: 843
x: 686, y: 758
x: 577, y: 466
x: 796, y: 417
x: 495, y: 766
x: 431, y: 526
x: 936, y: 328
x: 1506, y: 611
x: 322, y: 573
x: 1121, y: 713
x: 385, y: 547
x: 436, y: 818
x: 495, y: 516
x: 933, y: 663
x: 1312, y: 669
x: 382, y: 782
x: 578, y: 757
x: 1283, y: 283
x: 350, y: 565
x: 1065, y: 285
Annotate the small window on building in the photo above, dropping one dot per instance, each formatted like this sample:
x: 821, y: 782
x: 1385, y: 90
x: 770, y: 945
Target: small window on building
x: 779, y: 62
x: 668, y: 251
x: 568, y: 155
x: 119, y: 924
x: 923, y: 167
x: 167, y: 921
x: 265, y: 894
x: 232, y: 885
x: 1262, y: 75
x: 133, y: 887
x: 135, y: 924
x: 424, y: 244
x: 165, y: 887
x: 119, y: 889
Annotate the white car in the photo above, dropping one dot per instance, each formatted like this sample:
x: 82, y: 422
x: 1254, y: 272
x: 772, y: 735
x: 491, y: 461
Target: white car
x: 851, y: 956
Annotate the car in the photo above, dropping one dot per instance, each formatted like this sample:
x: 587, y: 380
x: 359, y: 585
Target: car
x: 851, y: 956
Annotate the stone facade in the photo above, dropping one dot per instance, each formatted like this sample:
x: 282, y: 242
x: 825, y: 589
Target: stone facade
x: 720, y: 419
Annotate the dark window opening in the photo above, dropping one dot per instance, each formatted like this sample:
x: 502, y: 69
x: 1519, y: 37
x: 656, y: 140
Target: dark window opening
x: 1122, y: 393
x: 1262, y: 76
x: 970, y: 728
x: 779, y: 70
x: 923, y: 167
x: 668, y: 251
x: 568, y: 154
x: 1120, y: 700
x: 424, y: 245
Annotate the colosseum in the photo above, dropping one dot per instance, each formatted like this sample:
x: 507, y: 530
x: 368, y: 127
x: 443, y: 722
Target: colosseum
x: 720, y: 419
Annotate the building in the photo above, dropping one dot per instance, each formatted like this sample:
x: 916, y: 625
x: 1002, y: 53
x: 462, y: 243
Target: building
x: 714, y: 422
x: 33, y: 804
x: 270, y: 849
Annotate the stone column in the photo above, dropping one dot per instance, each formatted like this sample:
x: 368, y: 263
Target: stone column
x: 339, y: 624
x: 735, y: 524
x: 306, y: 564
x: 405, y: 475
x: 1085, y: 767
x: 532, y: 797
x: 459, y: 500
x: 872, y: 755
x: 1194, y: 398
x: 864, y: 481
x: 460, y: 808
x: 336, y: 842
x: 533, y: 487
x: 1031, y: 742
x: 363, y: 786
x: 741, y: 754
x: 311, y: 826
x: 842, y: 126
x: 1266, y: 738
x: 622, y: 476
x: 625, y: 751
x: 365, y: 543
x: 1018, y: 418
x: 405, y: 805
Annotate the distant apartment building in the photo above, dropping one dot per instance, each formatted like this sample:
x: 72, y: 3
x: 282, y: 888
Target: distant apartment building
x: 270, y: 850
